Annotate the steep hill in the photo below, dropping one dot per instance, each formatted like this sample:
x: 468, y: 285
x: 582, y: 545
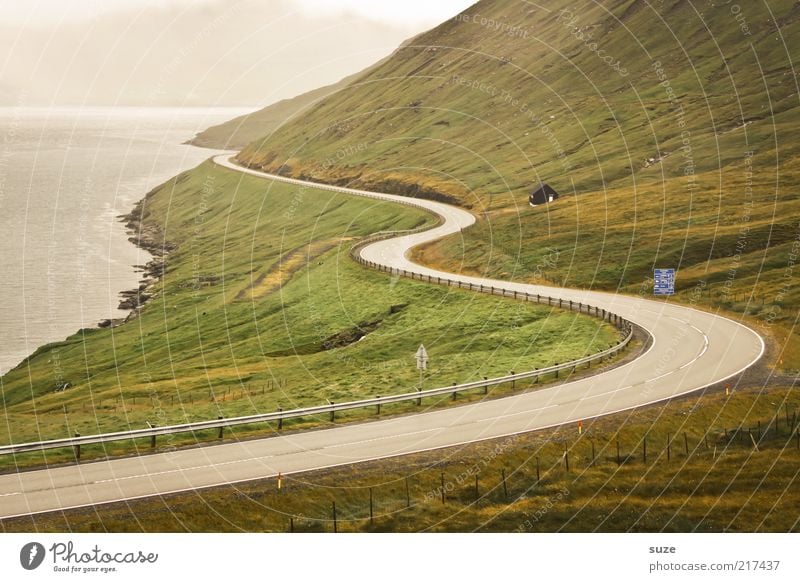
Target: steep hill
x: 578, y: 94
x: 240, y: 131
x: 667, y: 126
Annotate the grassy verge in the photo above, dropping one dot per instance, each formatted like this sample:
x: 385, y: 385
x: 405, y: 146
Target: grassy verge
x: 715, y: 477
x: 736, y: 258
x: 260, y: 307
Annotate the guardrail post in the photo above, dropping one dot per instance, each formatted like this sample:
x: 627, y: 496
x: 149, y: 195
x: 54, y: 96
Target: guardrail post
x: 486, y: 388
x: 454, y: 392
x: 335, y: 523
x: 505, y: 486
x: 370, y: 506
x: 153, y: 439
x: 557, y: 364
x: 419, y: 400
x: 513, y: 381
x: 280, y: 418
x: 219, y: 435
x: 536, y: 377
x: 378, y: 406
x: 333, y: 413
x: 77, y: 448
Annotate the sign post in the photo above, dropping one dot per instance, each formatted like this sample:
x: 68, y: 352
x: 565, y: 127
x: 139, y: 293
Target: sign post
x: 664, y: 282
x: 422, y: 364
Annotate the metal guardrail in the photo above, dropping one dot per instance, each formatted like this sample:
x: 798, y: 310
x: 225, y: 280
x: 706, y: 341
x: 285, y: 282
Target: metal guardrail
x: 331, y: 408
x: 154, y: 431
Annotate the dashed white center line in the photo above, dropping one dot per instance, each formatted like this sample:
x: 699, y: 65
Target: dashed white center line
x: 518, y: 413
x: 194, y: 468
x: 9, y: 494
x: 405, y: 434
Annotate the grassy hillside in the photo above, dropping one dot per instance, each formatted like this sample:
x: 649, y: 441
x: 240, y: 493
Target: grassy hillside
x: 240, y: 131
x: 237, y: 133
x: 260, y: 306
x: 668, y: 128
x: 710, y: 478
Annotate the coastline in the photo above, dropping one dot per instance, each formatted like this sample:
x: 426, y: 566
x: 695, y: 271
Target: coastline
x: 149, y: 238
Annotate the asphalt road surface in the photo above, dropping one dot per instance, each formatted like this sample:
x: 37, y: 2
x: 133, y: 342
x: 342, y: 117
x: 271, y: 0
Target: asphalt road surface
x: 690, y: 350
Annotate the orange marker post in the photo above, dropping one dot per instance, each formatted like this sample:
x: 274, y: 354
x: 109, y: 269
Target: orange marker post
x: 580, y: 427
x: 280, y: 482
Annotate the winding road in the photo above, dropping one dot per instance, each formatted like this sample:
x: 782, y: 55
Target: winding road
x: 690, y: 349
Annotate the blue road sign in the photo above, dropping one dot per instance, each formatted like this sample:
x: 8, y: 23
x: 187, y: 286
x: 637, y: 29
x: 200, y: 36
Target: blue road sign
x: 664, y: 282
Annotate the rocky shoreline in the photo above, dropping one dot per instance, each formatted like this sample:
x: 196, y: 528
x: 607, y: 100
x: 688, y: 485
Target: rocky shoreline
x: 151, y: 239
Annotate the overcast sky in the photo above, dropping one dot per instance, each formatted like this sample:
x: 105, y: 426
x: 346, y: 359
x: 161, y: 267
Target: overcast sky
x: 196, y: 52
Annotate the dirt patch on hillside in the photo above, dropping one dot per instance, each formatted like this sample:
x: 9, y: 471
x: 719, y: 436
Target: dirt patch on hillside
x: 284, y: 269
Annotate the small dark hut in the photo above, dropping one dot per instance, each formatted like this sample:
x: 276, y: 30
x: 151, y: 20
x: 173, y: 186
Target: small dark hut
x: 542, y: 195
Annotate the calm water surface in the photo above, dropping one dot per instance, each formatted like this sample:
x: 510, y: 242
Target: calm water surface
x: 65, y: 177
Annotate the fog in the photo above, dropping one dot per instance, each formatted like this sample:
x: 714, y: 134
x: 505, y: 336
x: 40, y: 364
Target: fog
x: 180, y: 53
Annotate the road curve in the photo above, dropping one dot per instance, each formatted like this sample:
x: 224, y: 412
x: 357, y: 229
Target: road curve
x: 690, y: 350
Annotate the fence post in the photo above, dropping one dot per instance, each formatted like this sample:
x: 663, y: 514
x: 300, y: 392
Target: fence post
x: 477, y: 491
x: 505, y: 487
x: 619, y: 461
x: 538, y: 475
x: 592, y: 453
x: 686, y: 443
x: 370, y: 506
x: 668, y: 446
x: 644, y: 449
x: 408, y: 495
x: 335, y: 524
x: 442, y: 486
x: 566, y: 457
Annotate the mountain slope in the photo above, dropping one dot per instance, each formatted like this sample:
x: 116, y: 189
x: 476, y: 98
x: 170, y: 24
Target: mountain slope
x: 668, y: 127
x: 237, y: 133
x: 240, y: 131
x: 576, y: 94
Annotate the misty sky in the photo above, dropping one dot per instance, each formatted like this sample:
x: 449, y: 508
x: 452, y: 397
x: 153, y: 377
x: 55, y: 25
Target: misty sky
x: 196, y: 52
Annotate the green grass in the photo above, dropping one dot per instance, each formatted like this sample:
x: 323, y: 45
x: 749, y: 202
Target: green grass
x: 739, y: 261
x: 722, y: 484
x: 411, y: 126
x: 201, y: 350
